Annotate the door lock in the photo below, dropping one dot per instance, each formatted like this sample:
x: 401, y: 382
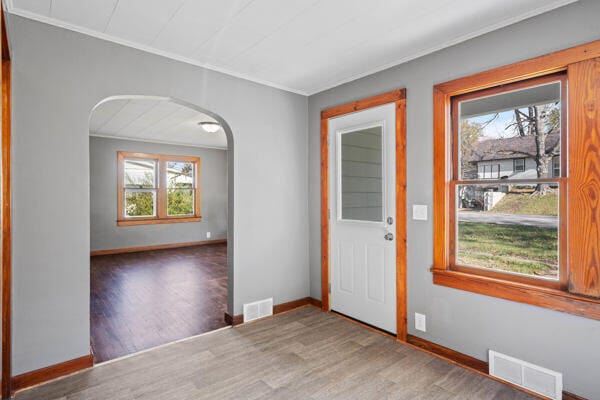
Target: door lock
x: 389, y: 236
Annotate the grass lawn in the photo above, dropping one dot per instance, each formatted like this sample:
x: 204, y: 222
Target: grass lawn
x: 522, y: 249
x: 525, y: 203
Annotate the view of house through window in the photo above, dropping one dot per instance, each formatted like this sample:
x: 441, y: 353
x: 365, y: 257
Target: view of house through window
x: 506, y: 183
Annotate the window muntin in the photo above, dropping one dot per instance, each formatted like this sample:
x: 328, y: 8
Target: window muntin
x: 155, y: 188
x: 513, y: 198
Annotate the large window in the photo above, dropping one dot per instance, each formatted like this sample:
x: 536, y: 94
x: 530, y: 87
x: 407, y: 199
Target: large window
x: 516, y: 182
x: 508, y: 224
x: 156, y: 188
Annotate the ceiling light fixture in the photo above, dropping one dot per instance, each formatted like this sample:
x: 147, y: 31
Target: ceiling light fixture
x: 209, y: 126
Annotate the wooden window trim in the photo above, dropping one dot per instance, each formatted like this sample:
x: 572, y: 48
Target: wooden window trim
x: 161, y: 190
x: 579, y: 291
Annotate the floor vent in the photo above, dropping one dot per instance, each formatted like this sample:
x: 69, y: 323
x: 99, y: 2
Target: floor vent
x: 258, y: 309
x: 529, y: 376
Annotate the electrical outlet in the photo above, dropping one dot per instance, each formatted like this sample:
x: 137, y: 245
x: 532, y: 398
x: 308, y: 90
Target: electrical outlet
x: 420, y: 322
x: 208, y: 235
x: 419, y: 212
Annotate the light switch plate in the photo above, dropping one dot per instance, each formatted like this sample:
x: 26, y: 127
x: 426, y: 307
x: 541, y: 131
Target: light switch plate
x: 419, y: 212
x: 420, y: 322
x: 208, y: 235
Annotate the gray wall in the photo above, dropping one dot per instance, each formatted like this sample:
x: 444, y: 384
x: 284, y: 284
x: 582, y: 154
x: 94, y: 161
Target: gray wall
x: 468, y: 322
x: 58, y: 77
x: 104, y: 232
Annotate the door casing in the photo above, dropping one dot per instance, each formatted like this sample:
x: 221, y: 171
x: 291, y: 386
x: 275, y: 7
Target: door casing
x: 398, y: 97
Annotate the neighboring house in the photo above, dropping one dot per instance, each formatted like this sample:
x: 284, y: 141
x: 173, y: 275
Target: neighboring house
x: 512, y: 158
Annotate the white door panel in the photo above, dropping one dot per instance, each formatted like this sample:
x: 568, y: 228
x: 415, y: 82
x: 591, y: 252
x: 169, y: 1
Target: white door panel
x: 362, y: 196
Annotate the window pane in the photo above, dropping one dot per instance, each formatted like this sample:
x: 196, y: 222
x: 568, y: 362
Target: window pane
x: 361, y: 175
x: 140, y: 203
x: 140, y: 174
x: 508, y: 228
x: 180, y: 202
x: 180, y: 174
x: 496, y: 131
x: 556, y: 166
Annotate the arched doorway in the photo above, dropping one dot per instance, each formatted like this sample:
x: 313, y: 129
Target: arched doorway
x: 161, y: 203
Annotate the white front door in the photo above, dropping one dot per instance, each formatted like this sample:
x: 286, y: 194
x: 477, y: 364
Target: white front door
x: 362, y: 215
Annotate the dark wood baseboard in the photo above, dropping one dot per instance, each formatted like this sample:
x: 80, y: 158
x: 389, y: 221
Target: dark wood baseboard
x: 459, y: 358
x: 277, y: 309
x: 315, y: 302
x: 32, y: 378
x: 234, y: 320
x: 471, y: 363
x: 571, y: 396
x: 155, y: 247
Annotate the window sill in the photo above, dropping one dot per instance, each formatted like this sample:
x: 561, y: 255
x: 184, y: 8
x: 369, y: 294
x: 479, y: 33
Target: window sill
x: 520, y: 292
x: 154, y: 221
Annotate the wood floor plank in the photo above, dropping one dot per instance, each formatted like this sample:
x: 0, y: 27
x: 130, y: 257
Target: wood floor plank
x: 303, y: 354
x: 146, y: 299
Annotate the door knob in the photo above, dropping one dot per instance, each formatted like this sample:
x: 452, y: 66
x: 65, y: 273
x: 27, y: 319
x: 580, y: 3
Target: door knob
x: 389, y: 236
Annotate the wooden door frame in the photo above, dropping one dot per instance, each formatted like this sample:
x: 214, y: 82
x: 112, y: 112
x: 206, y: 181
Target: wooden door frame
x: 398, y: 97
x: 5, y: 214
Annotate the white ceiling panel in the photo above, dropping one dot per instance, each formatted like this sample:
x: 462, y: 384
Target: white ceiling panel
x: 153, y: 120
x: 249, y: 27
x: 203, y: 18
x: 142, y: 21
x: 304, y: 46
x: 41, y: 7
x: 93, y: 14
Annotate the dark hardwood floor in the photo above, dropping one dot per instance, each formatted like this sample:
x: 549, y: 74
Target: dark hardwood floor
x: 142, y: 300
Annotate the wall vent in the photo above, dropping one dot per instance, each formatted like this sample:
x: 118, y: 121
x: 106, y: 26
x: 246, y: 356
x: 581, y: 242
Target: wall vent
x: 258, y: 309
x: 529, y: 376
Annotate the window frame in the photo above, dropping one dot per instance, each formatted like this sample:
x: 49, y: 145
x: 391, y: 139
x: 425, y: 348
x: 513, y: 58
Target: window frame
x: 515, y: 164
x: 161, y: 189
x: 580, y: 293
x: 455, y: 180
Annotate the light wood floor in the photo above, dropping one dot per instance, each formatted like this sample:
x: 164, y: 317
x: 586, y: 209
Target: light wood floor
x: 303, y: 354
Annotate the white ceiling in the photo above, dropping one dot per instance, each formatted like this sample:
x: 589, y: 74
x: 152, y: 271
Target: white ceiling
x: 304, y: 46
x: 154, y: 120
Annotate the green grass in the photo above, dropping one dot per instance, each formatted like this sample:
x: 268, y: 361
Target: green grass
x: 525, y: 203
x: 521, y: 249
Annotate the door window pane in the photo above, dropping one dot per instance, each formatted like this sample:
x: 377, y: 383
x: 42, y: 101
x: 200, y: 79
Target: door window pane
x: 508, y: 228
x: 361, y: 175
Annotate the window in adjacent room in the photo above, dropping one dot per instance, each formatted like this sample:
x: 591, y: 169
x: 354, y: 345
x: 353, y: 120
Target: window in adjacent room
x: 156, y: 188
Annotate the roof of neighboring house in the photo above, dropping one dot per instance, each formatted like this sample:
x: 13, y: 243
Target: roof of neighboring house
x: 514, y: 147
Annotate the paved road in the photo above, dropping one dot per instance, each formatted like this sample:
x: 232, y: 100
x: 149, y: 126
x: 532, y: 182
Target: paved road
x: 541, y: 221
